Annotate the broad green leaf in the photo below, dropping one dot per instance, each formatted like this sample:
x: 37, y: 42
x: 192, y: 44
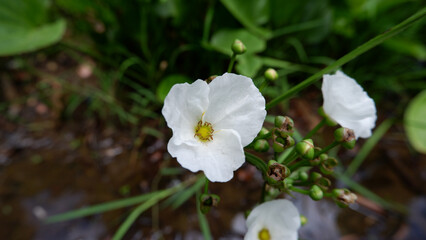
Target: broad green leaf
x: 24, y: 27
x: 223, y: 39
x: 415, y: 122
x: 248, y: 64
x: 167, y: 83
x: 250, y: 13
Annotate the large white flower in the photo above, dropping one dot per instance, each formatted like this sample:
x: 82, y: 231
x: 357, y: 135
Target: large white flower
x: 273, y: 220
x: 212, y: 123
x: 348, y: 104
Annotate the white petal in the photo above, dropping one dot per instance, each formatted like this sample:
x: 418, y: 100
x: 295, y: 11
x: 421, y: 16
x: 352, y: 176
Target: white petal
x: 236, y: 103
x: 348, y: 104
x: 184, y: 106
x: 218, y: 158
x: 280, y: 217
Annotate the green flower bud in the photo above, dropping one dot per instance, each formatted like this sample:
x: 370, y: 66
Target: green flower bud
x: 316, y: 193
x: 238, y: 47
x: 328, y: 165
x: 346, y: 137
x: 282, y: 143
x: 328, y: 120
x: 207, y: 201
x: 303, y: 220
x: 323, y: 183
x: 276, y: 173
x: 271, y: 74
x: 315, y: 176
x: 323, y: 157
x: 303, y: 176
x: 285, y: 124
x: 264, y: 133
x: 261, y: 145
x: 326, y: 170
x: 288, y: 183
x: 306, y: 149
x: 343, y: 197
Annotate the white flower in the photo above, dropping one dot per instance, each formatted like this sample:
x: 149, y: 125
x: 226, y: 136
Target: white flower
x: 348, y: 104
x: 273, y: 220
x: 212, y: 123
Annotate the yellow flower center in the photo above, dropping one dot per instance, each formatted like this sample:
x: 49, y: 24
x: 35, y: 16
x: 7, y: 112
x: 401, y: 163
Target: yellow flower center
x: 264, y: 234
x: 204, y: 131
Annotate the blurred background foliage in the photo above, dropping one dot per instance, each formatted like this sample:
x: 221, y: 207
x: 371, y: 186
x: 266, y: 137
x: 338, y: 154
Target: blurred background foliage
x: 115, y: 60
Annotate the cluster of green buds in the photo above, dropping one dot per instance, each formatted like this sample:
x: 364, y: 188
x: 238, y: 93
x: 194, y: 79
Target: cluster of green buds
x: 282, y: 133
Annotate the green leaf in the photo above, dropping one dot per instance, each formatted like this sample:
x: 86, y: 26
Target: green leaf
x: 415, y: 122
x: 408, y: 47
x: 248, y: 64
x: 223, y: 39
x: 250, y: 13
x: 24, y: 27
x: 167, y: 83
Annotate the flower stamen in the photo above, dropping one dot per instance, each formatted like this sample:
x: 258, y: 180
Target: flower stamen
x: 204, y: 131
x: 264, y: 234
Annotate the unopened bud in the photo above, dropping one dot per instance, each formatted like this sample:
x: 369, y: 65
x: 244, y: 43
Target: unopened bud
x: 264, y: 133
x: 276, y: 173
x: 306, y: 149
x: 346, y: 137
x: 315, y: 176
x: 303, y: 220
x: 261, y: 145
x: 316, y: 193
x: 271, y: 74
x: 303, y: 176
x: 323, y: 183
x: 328, y: 165
x: 282, y: 143
x: 207, y: 201
x: 343, y: 197
x: 328, y: 120
x: 238, y: 47
x: 288, y: 183
x: 285, y: 125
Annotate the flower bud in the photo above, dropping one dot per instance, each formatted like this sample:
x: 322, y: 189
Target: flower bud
x: 285, y: 125
x: 329, y: 121
x: 345, y: 136
x: 282, y: 143
x: 288, y: 183
x: 316, y: 193
x: 211, y: 78
x: 323, y: 183
x: 315, y: 176
x: 343, y: 197
x: 261, y: 145
x: 306, y: 149
x: 207, y: 201
x: 238, y: 47
x: 271, y: 74
x: 303, y: 176
x: 276, y: 173
x: 328, y: 165
x: 263, y: 134
x: 303, y: 220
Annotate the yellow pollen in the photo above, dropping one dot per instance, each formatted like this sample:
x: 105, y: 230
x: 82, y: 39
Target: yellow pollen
x: 204, y: 131
x: 264, y: 234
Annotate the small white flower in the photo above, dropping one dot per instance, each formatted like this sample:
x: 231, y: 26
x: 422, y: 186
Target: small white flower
x: 273, y: 220
x: 348, y: 104
x: 212, y: 123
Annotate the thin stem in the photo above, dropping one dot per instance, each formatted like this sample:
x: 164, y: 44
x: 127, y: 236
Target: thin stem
x: 299, y: 190
x: 206, y: 186
x: 332, y: 145
x: 262, y: 197
x: 302, y: 163
x: 257, y: 162
x: 208, y: 21
x: 231, y: 63
x: 315, y: 129
x: 351, y: 55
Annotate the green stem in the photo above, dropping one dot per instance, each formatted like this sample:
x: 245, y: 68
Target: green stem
x: 257, y: 162
x: 315, y: 129
x: 299, y: 190
x: 326, y: 149
x: 231, y: 63
x: 302, y: 163
x: 208, y: 21
x: 206, y: 186
x: 351, y: 55
x: 262, y: 197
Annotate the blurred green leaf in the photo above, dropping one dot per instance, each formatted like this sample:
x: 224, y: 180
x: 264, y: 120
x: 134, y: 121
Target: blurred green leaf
x: 167, y: 83
x: 407, y: 47
x: 250, y: 13
x: 223, y: 39
x: 248, y: 64
x: 24, y: 27
x: 415, y: 122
